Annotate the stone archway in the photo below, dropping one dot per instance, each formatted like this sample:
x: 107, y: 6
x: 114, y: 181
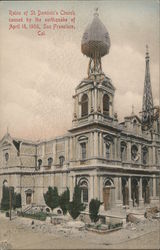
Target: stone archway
x: 125, y: 191
x: 108, y: 194
x: 145, y: 190
x: 135, y: 192
x: 83, y: 184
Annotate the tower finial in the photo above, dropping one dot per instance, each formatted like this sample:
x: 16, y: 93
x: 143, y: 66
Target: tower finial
x: 96, y: 12
x: 147, y: 52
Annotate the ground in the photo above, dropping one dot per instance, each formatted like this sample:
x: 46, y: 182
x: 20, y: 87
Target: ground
x: 21, y: 234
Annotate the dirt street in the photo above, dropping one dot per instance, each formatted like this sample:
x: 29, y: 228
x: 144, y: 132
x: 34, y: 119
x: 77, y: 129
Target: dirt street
x: 21, y: 234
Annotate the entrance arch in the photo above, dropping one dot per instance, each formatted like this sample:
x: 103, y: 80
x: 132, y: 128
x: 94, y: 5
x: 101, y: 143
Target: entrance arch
x: 135, y: 192
x: 108, y: 193
x: 83, y: 184
x: 125, y: 191
x: 145, y: 190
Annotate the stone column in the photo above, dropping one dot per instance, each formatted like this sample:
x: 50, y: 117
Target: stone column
x: 119, y: 149
x: 75, y: 108
x: 154, y: 156
x: 71, y: 184
x: 92, y: 144
x: 95, y: 99
x: 130, y: 190
x: 74, y: 149
x: 100, y: 144
x: 115, y: 149
x: 154, y: 186
x: 96, y: 196
x: 71, y: 153
x: 140, y: 154
x: 118, y: 191
x: 91, y: 189
x: 150, y: 161
x: 95, y: 143
x: 129, y: 151
x: 141, y: 201
x: 90, y: 101
x: 101, y: 188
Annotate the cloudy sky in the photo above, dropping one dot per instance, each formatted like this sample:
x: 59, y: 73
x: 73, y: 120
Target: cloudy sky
x: 38, y: 74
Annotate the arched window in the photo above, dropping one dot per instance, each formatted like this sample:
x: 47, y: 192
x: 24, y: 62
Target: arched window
x: 83, y: 184
x: 61, y: 160
x: 6, y: 157
x: 39, y: 164
x: 134, y: 153
x: 106, y: 104
x: 84, y: 105
x: 144, y: 155
x: 83, y: 150
x: 108, y: 140
x: 108, y: 182
x: 50, y: 161
x: 108, y: 149
x: 123, y: 151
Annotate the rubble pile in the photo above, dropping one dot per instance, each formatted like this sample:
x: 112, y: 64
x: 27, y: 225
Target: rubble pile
x: 151, y: 212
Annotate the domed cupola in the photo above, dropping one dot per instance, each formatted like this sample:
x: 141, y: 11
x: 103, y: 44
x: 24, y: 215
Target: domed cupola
x: 95, y: 44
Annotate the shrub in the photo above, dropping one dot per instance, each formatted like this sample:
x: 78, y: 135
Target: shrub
x: 76, y: 206
x: 51, y: 197
x: 5, y: 198
x: 94, y: 206
x: 17, y: 201
x: 64, y: 201
x: 38, y: 216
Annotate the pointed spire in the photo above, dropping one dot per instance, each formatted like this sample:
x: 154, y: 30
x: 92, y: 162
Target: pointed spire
x: 147, y: 106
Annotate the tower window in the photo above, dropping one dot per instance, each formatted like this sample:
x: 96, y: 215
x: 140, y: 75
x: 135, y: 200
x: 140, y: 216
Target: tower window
x: 84, y: 190
x: 106, y: 104
x: 39, y: 164
x: 123, y: 151
x: 108, y: 150
x: 50, y: 161
x: 144, y: 155
x: 84, y: 105
x: 83, y: 150
x: 134, y: 153
x: 6, y: 157
x: 61, y: 160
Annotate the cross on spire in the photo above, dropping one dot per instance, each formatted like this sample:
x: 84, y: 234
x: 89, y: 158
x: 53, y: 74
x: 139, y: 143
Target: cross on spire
x: 96, y: 12
x: 132, y: 109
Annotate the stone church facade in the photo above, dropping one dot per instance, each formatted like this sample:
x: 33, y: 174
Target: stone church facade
x: 117, y: 163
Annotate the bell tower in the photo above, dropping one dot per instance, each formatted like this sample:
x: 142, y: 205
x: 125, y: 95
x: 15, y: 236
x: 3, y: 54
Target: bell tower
x: 94, y: 96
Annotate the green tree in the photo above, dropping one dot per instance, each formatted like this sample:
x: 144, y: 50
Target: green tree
x: 51, y: 197
x: 64, y: 201
x: 76, y: 206
x: 94, y: 206
x: 5, y: 198
x: 17, y: 200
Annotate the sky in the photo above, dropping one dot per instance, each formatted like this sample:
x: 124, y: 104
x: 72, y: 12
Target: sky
x: 39, y: 74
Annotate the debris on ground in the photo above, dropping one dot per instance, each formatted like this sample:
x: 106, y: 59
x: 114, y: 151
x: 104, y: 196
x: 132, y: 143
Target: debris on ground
x: 151, y: 212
